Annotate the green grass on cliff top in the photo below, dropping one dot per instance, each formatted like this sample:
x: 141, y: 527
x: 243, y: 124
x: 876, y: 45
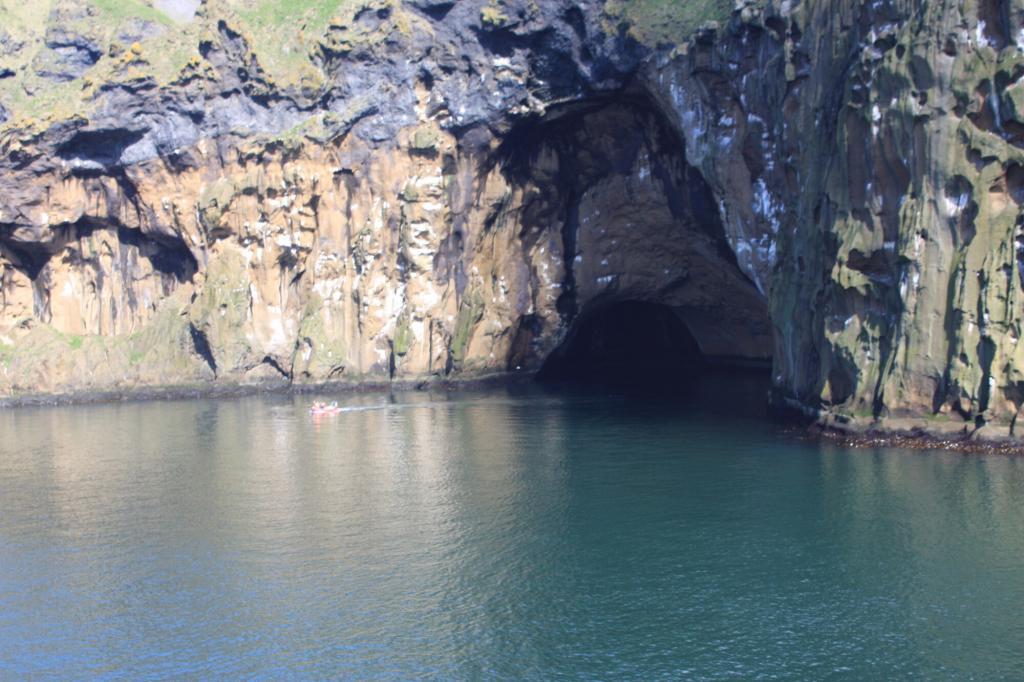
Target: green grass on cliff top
x: 117, y: 10
x: 284, y: 34
x: 281, y: 33
x: 668, y: 21
x: 29, y: 96
x: 280, y: 13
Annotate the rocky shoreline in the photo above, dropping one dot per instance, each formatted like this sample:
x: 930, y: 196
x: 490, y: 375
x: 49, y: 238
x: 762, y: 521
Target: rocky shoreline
x: 211, y: 390
x: 918, y: 438
x: 903, y: 433
x: 907, y: 433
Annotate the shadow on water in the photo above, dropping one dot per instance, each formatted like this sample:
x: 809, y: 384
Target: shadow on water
x: 709, y: 390
x: 644, y: 353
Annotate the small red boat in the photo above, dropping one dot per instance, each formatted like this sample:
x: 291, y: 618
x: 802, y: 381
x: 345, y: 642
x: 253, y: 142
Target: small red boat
x: 320, y: 409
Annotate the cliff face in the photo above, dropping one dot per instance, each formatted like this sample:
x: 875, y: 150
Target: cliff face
x: 225, y: 193
x: 900, y: 276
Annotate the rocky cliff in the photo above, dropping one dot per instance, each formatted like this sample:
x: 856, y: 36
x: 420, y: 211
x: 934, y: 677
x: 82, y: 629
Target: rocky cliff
x: 308, y: 191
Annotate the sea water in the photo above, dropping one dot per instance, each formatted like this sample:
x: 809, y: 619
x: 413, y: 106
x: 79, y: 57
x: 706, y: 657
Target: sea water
x: 517, y: 533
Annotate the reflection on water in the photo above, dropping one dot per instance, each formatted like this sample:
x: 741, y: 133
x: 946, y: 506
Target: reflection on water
x: 521, y: 533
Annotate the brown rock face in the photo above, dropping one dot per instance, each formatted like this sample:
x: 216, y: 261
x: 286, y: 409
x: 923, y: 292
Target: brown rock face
x: 454, y: 190
x: 299, y: 261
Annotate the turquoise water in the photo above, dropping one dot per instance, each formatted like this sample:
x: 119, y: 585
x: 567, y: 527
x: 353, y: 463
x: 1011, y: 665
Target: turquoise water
x: 506, y: 534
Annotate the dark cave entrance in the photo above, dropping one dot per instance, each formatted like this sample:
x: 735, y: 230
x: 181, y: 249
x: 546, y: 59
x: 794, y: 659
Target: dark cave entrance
x: 651, y: 292
x: 630, y: 344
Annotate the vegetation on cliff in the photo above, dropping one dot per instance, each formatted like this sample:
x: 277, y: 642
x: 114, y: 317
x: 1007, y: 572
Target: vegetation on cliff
x: 670, y: 22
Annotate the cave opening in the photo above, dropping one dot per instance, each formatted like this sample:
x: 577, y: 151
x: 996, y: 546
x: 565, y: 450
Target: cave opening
x: 631, y: 344
x: 651, y: 292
